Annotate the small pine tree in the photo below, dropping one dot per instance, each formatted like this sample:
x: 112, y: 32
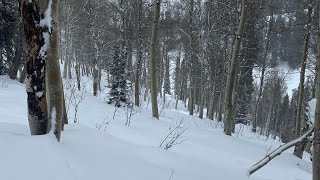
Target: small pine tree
x: 118, y: 92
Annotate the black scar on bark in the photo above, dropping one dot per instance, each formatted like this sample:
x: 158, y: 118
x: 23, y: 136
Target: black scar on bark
x: 35, y: 65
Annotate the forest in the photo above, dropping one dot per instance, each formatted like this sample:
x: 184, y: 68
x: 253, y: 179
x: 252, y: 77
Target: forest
x: 226, y: 61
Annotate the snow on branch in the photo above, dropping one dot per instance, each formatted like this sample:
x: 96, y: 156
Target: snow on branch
x: 278, y: 151
x: 45, y: 23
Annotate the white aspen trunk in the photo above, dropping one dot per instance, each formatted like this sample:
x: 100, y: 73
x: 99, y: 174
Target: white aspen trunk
x: 53, y: 76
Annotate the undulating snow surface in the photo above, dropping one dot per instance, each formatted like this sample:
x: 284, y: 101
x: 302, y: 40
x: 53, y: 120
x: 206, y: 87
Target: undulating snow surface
x: 99, y: 146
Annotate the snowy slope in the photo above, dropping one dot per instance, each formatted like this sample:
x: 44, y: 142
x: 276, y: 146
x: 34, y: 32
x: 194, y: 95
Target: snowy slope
x: 291, y: 76
x: 118, y: 152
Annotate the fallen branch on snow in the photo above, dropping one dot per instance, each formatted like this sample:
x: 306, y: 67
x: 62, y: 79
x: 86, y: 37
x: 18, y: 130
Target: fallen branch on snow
x: 278, y: 151
x: 175, y: 136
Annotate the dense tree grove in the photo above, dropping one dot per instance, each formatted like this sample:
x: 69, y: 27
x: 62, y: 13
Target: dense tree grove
x: 11, y: 39
x: 221, y: 59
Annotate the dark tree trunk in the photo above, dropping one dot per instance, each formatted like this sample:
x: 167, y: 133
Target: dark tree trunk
x: 139, y: 59
x: 35, y: 65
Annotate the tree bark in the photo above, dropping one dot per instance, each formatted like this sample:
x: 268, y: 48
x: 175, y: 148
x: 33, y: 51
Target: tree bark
x: 299, y: 150
x: 316, y: 140
x: 95, y: 47
x: 233, y: 69
x: 65, y: 115
x: 153, y: 62
x: 35, y: 65
x: 202, y: 94
x: 191, y: 79
x: 234, y: 97
x: 77, y: 67
x: 53, y: 75
x: 139, y: 59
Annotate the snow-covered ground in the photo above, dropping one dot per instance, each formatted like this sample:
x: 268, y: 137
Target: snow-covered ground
x: 99, y: 146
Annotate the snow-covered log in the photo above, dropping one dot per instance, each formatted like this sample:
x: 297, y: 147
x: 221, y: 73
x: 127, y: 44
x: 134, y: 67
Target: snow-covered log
x: 278, y: 151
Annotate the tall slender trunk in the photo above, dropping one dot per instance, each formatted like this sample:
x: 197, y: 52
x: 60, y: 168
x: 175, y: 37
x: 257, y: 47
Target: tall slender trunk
x: 234, y: 97
x: 316, y: 139
x: 220, y: 106
x: 53, y: 75
x: 202, y: 94
x: 233, y: 69
x: 66, y: 51
x: 191, y: 79
x: 153, y: 52
x: 211, y: 107
x: 178, y: 82
x: 77, y: 67
x: 145, y: 72
x: 95, y: 73
x: 298, y: 151
x: 139, y: 59
x: 254, y: 122
x: 69, y: 69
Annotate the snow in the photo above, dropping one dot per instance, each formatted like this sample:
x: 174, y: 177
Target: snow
x: 46, y: 22
x: 278, y: 151
x: 101, y: 147
x: 291, y: 76
x: 39, y: 94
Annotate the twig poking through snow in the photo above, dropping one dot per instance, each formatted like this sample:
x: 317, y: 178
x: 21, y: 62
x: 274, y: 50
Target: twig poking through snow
x: 172, y: 172
x: 175, y: 136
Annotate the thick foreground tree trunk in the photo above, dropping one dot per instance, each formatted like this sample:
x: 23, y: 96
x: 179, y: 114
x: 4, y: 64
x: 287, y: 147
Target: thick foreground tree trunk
x: 35, y: 65
x: 44, y: 82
